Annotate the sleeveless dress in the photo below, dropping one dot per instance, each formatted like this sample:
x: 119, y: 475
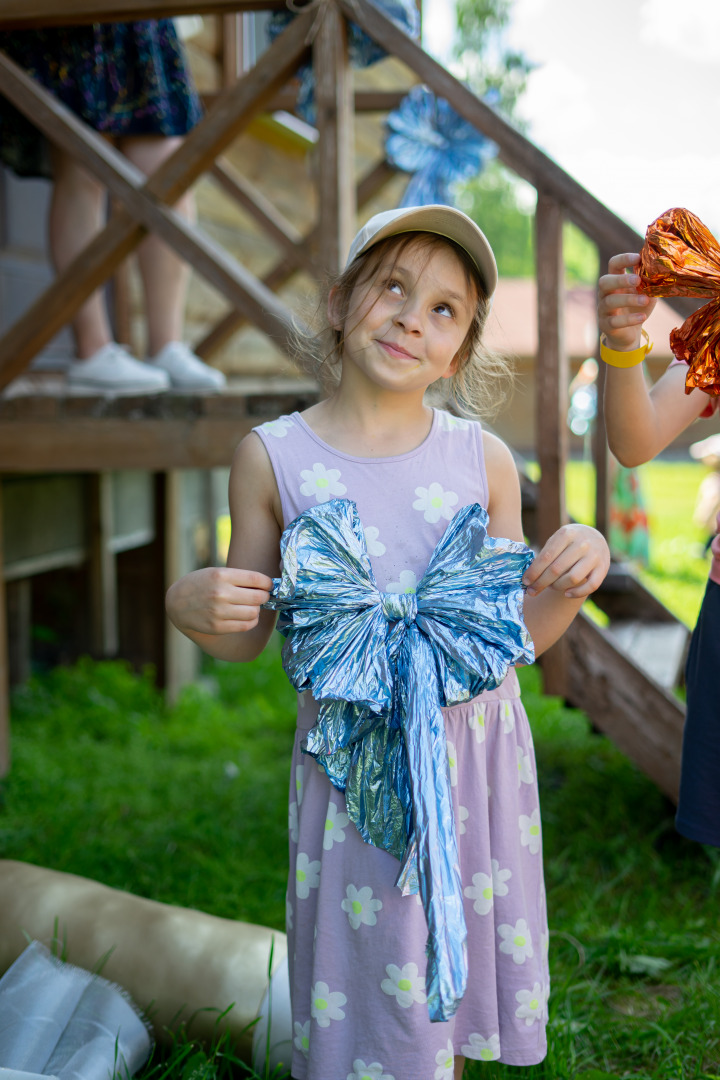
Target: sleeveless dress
x: 356, y: 946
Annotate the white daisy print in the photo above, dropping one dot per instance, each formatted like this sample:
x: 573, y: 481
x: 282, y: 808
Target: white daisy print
x: 445, y: 1061
x: 481, y: 891
x: 507, y: 717
x: 448, y: 422
x: 524, y: 767
x: 374, y: 546
x: 293, y: 822
x: 299, y: 775
x: 279, y: 428
x: 404, y: 984
x: 516, y: 941
x: 480, y: 1049
x: 463, y: 815
x: 530, y: 831
x: 323, y: 483
x: 531, y: 1004
x: 360, y: 906
x: 335, y: 824
x: 476, y: 722
x: 545, y: 944
x: 326, y: 1004
x: 452, y: 763
x: 499, y: 877
x: 406, y: 583
x: 434, y: 502
x: 302, y: 1037
x: 361, y: 1071
x: 307, y: 875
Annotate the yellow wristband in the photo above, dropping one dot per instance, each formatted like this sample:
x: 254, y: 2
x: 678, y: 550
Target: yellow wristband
x: 625, y: 359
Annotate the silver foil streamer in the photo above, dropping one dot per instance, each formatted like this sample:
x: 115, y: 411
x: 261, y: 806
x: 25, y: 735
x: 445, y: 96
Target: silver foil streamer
x: 381, y: 665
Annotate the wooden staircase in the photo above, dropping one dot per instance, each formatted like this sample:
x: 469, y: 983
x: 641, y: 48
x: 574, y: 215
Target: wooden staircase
x: 624, y: 675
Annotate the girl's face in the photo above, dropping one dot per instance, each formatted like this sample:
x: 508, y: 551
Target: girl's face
x: 406, y: 325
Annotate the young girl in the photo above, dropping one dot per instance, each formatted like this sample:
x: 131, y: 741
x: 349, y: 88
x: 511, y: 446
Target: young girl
x: 640, y: 423
x: 408, y: 311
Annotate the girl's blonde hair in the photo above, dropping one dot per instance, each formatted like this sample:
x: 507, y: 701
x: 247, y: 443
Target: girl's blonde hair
x: 483, y: 380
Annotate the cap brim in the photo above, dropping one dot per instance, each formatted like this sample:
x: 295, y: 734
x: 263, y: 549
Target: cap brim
x: 444, y: 221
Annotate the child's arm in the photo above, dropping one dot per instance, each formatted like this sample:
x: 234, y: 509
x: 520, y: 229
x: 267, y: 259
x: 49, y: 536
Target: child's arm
x: 219, y: 607
x: 640, y: 422
x: 571, y: 565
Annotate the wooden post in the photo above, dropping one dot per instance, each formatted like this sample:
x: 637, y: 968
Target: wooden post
x: 181, y: 655
x: 230, y: 27
x: 552, y: 378
x: 103, y: 572
x: 336, y: 148
x: 4, y: 680
x: 601, y: 452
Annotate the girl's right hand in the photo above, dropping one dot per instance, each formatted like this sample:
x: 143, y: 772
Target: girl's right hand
x: 218, y: 600
x: 621, y: 309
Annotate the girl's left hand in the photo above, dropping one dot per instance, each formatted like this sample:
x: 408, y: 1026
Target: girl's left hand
x: 574, y: 561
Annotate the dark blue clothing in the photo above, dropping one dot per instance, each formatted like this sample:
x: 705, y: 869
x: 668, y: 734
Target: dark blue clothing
x: 120, y: 78
x: 698, y: 814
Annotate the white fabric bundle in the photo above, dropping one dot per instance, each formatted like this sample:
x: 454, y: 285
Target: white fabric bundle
x: 59, y: 1020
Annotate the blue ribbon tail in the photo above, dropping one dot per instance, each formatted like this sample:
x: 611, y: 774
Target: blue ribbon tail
x: 434, y: 839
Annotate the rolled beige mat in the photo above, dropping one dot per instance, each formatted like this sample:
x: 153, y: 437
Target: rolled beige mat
x: 179, y: 965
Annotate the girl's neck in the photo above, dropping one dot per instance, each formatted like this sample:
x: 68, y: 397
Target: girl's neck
x: 387, y: 426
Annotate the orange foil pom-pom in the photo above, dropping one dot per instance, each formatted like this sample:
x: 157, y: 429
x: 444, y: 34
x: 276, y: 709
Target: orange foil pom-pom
x: 681, y: 257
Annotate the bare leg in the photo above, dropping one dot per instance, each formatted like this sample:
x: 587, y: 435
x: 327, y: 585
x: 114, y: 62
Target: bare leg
x: 77, y: 214
x: 165, y: 276
x: 459, y: 1066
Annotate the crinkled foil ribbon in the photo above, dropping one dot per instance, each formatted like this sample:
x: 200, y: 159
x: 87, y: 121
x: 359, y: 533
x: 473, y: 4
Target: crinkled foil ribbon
x: 681, y: 257
x: 381, y: 665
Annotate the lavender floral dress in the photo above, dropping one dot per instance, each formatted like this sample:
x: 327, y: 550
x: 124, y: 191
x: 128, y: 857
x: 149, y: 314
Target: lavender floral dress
x: 356, y: 945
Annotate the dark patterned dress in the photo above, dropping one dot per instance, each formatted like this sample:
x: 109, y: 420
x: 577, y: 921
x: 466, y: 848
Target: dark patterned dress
x: 120, y: 78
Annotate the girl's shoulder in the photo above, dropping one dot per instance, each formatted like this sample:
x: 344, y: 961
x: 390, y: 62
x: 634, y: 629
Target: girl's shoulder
x: 447, y: 421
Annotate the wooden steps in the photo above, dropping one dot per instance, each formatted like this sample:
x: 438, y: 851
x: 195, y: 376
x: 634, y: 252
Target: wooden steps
x: 624, y: 675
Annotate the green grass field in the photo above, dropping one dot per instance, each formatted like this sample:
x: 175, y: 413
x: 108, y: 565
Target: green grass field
x: 188, y: 805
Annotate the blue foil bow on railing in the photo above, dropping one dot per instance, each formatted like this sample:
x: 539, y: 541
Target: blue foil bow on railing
x: 381, y: 665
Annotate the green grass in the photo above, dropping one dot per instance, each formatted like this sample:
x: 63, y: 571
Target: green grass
x: 678, y: 567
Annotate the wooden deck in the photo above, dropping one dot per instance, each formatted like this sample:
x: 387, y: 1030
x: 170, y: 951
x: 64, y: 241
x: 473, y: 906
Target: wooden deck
x: 53, y: 431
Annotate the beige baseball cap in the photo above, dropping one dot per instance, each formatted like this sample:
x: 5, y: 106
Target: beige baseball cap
x: 442, y: 220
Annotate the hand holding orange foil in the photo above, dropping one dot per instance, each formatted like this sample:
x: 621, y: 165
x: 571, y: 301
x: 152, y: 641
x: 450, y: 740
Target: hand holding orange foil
x: 681, y: 257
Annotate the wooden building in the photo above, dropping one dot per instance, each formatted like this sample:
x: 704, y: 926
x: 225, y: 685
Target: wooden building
x: 107, y: 500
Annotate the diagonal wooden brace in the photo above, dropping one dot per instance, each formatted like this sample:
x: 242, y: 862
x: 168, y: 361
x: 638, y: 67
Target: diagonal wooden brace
x: 145, y: 200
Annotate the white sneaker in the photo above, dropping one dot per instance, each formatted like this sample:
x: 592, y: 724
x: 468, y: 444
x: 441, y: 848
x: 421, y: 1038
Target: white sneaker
x: 111, y: 370
x: 186, y: 370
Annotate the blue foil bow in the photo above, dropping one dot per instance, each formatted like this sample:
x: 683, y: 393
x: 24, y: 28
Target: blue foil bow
x: 381, y: 665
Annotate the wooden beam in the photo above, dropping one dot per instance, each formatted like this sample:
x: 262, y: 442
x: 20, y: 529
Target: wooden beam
x: 336, y: 147
x: 182, y: 656
x: 103, y: 571
x: 551, y: 382
x: 231, y: 113
x: 551, y: 368
x: 641, y: 718
x: 600, y: 450
x: 16, y: 14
